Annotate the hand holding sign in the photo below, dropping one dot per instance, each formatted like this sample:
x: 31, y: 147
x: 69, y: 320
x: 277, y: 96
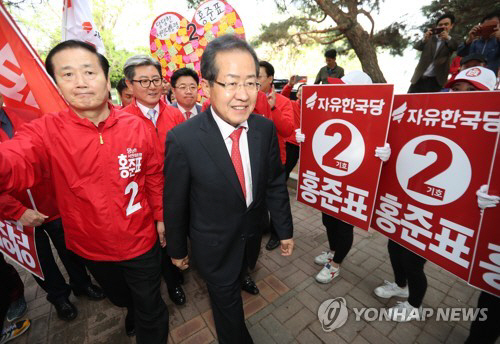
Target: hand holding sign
x: 32, y: 218
x: 484, y: 200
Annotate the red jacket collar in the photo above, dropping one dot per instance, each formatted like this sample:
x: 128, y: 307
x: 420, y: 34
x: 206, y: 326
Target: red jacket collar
x: 108, y: 122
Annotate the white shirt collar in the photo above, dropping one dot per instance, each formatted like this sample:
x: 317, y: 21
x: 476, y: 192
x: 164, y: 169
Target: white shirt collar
x: 225, y: 128
x: 145, y: 109
x: 194, y: 110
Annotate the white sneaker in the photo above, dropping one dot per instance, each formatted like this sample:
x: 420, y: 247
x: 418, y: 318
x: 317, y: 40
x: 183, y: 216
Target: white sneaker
x: 403, y: 312
x: 390, y: 289
x: 327, y: 274
x: 323, y: 258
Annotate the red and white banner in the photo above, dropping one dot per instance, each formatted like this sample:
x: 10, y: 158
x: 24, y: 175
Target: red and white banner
x: 18, y: 243
x: 78, y: 24
x: 485, y: 271
x: 24, y: 82
x: 338, y: 172
x: 443, y: 148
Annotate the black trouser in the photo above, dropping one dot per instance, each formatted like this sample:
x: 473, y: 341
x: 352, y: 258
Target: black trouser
x: 292, y: 156
x: 487, y: 331
x: 340, y: 236
x: 54, y: 283
x: 229, y: 318
x: 425, y: 84
x: 408, y: 268
x: 135, y: 284
x: 11, y: 287
x: 171, y: 273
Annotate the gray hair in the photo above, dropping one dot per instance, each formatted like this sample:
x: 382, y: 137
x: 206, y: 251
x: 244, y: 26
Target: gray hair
x: 209, y: 70
x: 137, y: 61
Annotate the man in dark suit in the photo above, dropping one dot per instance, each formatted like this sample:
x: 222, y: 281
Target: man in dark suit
x: 437, y: 46
x: 185, y: 83
x: 222, y: 173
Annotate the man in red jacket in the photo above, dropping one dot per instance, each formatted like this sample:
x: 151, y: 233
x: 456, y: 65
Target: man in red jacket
x: 46, y: 219
x: 108, y: 184
x: 284, y: 105
x: 143, y: 77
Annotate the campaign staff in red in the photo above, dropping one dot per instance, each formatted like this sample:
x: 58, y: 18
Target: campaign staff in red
x: 144, y: 79
x: 18, y: 207
x: 107, y: 184
x: 222, y: 173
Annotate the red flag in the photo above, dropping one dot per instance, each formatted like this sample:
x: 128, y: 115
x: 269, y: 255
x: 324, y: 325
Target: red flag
x: 24, y: 82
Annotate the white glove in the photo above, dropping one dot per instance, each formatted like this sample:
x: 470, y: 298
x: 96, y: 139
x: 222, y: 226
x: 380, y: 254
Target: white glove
x: 484, y: 200
x: 383, y: 153
x: 299, y: 136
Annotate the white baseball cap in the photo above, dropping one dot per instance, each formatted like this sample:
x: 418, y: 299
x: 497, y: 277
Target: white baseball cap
x: 356, y: 77
x: 480, y: 77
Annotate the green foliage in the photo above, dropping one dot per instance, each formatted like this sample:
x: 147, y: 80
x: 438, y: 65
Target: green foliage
x: 467, y: 13
x: 300, y: 29
x: 392, y: 38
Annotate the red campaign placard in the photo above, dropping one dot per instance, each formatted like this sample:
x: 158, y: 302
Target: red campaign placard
x: 24, y: 83
x: 485, y: 271
x: 442, y: 152
x: 338, y: 172
x: 18, y: 243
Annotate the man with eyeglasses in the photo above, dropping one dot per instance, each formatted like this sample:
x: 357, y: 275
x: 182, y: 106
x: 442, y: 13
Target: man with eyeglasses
x: 222, y: 173
x: 107, y: 184
x: 185, y: 87
x: 143, y: 75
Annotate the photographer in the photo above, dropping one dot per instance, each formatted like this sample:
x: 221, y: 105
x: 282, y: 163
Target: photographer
x: 484, y: 39
x: 437, y: 46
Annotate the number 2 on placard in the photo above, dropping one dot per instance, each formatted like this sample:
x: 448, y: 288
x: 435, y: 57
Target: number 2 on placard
x: 192, y: 36
x: 132, y: 208
x: 418, y: 182
x: 329, y: 159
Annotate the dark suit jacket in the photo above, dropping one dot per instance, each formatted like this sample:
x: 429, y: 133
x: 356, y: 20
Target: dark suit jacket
x: 441, y: 58
x: 203, y: 198
x: 198, y: 106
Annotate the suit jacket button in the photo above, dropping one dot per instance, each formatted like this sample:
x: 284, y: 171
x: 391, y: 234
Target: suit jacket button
x: 242, y: 237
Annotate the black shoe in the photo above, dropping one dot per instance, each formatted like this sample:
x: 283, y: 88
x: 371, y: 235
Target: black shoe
x: 272, y: 243
x: 248, y: 285
x: 93, y: 292
x: 65, y: 310
x: 130, y: 324
x: 177, y: 295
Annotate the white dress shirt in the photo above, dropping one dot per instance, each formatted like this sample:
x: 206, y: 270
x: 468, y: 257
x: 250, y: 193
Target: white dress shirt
x: 145, y: 109
x: 226, y: 130
x: 194, y: 111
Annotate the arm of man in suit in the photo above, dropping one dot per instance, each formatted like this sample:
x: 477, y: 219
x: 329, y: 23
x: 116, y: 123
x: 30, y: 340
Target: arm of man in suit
x: 176, y: 201
x: 318, y: 78
x: 277, y: 198
x: 422, y: 42
x: 450, y: 42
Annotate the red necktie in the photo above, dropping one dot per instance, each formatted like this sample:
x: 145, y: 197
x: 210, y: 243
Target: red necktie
x: 188, y: 114
x: 236, y: 158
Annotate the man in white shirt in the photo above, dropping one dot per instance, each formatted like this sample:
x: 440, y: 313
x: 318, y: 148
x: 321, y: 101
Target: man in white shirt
x: 185, y: 87
x: 222, y: 173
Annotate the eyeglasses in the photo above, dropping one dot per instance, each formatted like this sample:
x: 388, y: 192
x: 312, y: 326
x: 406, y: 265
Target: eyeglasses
x: 185, y: 88
x: 249, y: 86
x: 146, y: 82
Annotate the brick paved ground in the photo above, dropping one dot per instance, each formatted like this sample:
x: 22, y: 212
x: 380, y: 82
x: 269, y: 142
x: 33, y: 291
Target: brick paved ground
x: 285, y: 310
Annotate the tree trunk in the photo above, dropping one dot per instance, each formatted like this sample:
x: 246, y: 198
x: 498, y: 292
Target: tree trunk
x: 358, y: 38
x: 366, y: 52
